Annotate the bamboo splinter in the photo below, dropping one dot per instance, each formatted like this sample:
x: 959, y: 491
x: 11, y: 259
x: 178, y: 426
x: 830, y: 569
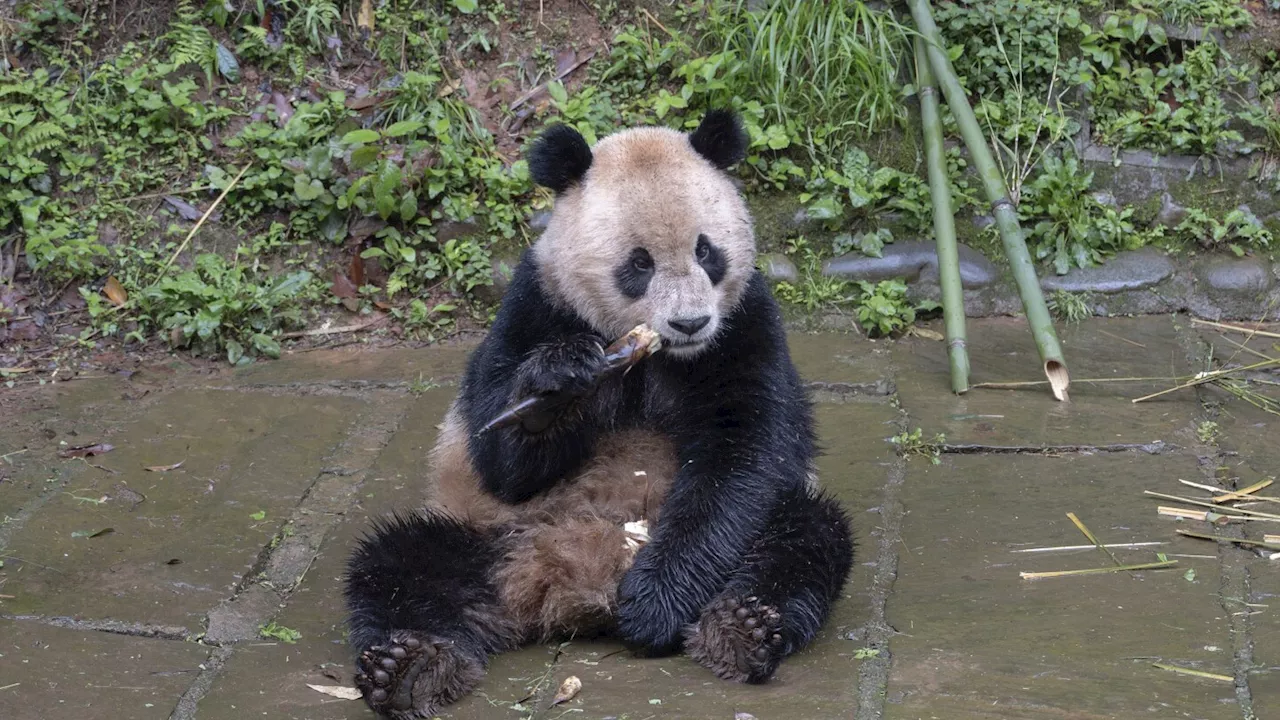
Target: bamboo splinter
x: 539, y: 411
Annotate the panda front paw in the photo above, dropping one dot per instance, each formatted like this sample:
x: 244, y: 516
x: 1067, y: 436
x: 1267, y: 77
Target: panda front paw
x: 568, y: 367
x: 650, y: 619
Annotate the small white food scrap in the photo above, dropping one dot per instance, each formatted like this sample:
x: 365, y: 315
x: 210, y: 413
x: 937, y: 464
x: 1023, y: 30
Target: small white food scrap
x: 568, y: 690
x: 338, y: 691
x: 637, y: 534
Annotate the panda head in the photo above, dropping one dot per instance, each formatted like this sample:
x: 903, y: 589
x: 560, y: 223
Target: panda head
x: 647, y: 228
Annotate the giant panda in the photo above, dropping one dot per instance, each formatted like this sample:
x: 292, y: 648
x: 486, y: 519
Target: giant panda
x: 710, y: 440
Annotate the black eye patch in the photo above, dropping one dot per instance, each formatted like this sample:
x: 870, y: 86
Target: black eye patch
x: 634, y: 274
x: 712, y: 259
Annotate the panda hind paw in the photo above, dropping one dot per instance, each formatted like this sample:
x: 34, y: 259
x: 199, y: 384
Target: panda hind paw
x: 412, y: 675
x: 738, y: 639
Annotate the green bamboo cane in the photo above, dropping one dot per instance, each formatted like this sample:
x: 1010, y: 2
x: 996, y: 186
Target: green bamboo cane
x: 1006, y: 216
x: 944, y: 223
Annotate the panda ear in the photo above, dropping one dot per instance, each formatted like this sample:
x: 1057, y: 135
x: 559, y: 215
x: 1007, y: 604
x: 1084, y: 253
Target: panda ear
x: 559, y: 158
x: 720, y: 139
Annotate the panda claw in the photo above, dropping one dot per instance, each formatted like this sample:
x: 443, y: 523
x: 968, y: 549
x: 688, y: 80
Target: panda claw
x: 739, y: 639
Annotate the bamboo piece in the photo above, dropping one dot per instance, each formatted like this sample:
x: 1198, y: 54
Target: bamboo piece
x: 1006, y: 216
x: 1196, y: 673
x: 1097, y: 571
x: 944, y: 223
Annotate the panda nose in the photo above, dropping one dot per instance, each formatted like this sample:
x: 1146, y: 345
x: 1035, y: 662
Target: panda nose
x: 689, y: 326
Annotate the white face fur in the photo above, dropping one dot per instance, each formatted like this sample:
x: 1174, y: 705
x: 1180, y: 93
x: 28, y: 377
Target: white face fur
x: 653, y: 233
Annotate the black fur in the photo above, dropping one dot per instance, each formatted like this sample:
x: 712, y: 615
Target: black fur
x: 633, y: 275
x: 416, y: 571
x: 559, y: 158
x: 720, y: 139
x: 738, y: 413
x: 714, y: 263
x: 739, y: 527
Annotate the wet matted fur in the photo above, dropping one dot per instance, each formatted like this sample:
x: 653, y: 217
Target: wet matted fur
x: 710, y: 441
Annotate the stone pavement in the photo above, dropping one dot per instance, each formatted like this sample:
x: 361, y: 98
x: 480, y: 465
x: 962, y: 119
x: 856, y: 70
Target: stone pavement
x: 129, y: 593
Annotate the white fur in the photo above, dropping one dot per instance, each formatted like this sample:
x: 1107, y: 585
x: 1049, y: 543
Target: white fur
x: 648, y: 187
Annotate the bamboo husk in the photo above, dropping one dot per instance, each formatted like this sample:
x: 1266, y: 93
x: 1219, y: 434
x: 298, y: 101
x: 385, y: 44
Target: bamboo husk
x: 944, y: 223
x: 1006, y: 216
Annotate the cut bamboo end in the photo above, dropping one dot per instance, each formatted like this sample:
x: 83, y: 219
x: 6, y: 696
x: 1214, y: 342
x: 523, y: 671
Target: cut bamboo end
x: 1059, y: 379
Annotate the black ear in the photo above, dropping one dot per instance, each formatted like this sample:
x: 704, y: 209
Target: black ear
x: 720, y: 139
x: 559, y: 158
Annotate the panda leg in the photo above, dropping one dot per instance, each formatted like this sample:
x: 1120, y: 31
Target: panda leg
x: 424, y: 613
x: 776, y: 602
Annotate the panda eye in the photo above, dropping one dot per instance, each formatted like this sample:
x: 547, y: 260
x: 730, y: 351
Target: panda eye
x: 641, y: 260
x: 703, y: 250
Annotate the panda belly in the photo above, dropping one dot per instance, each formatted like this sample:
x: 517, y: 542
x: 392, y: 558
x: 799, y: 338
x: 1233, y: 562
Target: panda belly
x: 566, y: 550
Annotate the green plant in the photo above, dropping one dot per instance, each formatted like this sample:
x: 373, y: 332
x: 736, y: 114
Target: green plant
x: 217, y: 307
x: 1069, y: 306
x: 814, y: 289
x: 1238, y: 231
x: 828, y: 69
x: 273, y: 631
x: 1208, y: 431
x: 912, y: 444
x: 883, y: 309
x: 1149, y: 93
x: 1072, y: 227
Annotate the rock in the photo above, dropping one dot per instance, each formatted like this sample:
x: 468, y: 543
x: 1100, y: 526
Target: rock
x: 982, y: 222
x: 503, y: 268
x: 912, y: 260
x: 1102, y: 197
x: 1244, y: 276
x: 1171, y: 213
x: 779, y: 268
x: 1132, y: 270
x: 452, y: 230
x: 538, y: 221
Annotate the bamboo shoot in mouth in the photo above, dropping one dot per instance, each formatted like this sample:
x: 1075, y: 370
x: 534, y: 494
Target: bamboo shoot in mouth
x: 536, y: 413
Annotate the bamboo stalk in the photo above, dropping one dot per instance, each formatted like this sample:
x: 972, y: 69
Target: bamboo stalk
x: 1067, y: 548
x: 944, y: 223
x: 1196, y: 673
x: 1208, y: 516
x: 1248, y: 331
x: 1097, y: 571
x: 1215, y: 507
x: 1006, y: 216
x: 1090, y: 537
x: 1264, y: 543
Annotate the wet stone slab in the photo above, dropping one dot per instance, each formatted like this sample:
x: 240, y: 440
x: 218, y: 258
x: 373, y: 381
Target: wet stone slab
x: 48, y: 672
x: 1002, y: 350
x: 443, y: 363
x: 270, y: 679
x: 164, y: 547
x: 977, y: 641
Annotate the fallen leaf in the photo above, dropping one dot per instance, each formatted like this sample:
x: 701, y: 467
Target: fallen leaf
x: 92, y: 534
x: 338, y: 691
x: 185, y: 209
x: 115, y: 291
x: 24, y: 330
x: 565, y: 60
x: 356, y: 271
x: 173, y: 561
x: 363, y: 103
x: 926, y: 333
x: 743, y: 716
x: 343, y: 287
x: 129, y: 495
x: 86, y: 450
x: 284, y: 110
x: 568, y: 690
x: 164, y: 468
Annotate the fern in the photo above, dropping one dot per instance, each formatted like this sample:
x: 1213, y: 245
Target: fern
x: 38, y: 138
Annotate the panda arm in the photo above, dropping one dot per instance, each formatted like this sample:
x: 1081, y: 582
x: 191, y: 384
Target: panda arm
x: 744, y: 436
x: 532, y: 342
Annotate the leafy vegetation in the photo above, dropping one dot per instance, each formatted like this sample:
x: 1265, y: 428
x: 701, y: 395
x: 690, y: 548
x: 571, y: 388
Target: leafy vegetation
x: 371, y: 165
